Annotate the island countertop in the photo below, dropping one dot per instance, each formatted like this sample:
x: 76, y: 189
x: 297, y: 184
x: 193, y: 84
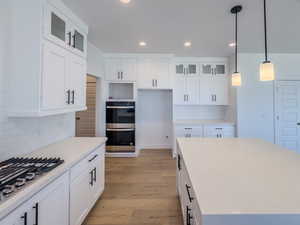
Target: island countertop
x: 242, y: 176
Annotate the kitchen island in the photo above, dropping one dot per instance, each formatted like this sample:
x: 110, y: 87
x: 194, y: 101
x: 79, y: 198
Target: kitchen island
x: 237, y: 182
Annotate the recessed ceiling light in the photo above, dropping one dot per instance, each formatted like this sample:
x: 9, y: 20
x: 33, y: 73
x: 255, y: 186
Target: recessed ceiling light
x: 125, y: 1
x: 187, y: 44
x: 232, y: 44
x: 142, y: 44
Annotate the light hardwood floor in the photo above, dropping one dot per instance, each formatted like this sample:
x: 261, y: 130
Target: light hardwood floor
x: 139, y: 191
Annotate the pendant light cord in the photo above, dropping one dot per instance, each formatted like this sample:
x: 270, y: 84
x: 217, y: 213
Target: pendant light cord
x: 236, y: 42
x: 265, y: 24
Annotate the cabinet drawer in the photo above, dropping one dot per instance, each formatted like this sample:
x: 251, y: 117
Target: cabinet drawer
x: 189, y: 131
x: 213, y: 131
x: 87, y: 162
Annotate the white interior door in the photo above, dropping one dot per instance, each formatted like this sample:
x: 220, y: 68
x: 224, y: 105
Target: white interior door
x: 288, y: 115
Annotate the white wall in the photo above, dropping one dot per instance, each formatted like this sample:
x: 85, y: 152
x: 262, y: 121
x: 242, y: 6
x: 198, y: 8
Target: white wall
x: 95, y: 61
x: 95, y: 67
x: 255, y: 99
x: 154, y: 119
x: 20, y: 136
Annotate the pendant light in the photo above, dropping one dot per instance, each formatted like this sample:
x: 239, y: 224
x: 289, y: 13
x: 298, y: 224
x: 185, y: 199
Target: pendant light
x: 267, y: 72
x: 236, y: 79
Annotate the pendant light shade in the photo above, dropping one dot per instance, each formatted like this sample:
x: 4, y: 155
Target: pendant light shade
x: 267, y: 72
x: 236, y: 78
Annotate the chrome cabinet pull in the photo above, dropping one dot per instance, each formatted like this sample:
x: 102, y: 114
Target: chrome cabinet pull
x: 24, y: 217
x: 73, y: 97
x: 188, y: 192
x: 95, y: 174
x: 70, y: 38
x: 92, y: 159
x: 69, y: 97
x: 36, y: 207
x: 92, y: 178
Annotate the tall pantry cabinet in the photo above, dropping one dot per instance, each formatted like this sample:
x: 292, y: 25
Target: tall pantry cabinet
x: 47, y: 63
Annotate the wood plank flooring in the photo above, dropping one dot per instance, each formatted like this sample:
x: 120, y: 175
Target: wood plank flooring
x: 139, y: 191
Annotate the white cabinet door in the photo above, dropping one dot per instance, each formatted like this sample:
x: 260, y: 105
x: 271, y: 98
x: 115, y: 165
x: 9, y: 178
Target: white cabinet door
x: 113, y: 69
x: 98, y: 167
x: 154, y: 74
x: 57, y: 26
x: 192, y: 90
x: 76, y: 81
x: 79, y: 41
x: 216, y: 131
x: 145, y: 74
x: 179, y: 92
x: 162, y: 74
x: 214, y: 69
x: 288, y: 115
x: 22, y: 215
x: 128, y: 69
x: 190, y: 69
x: 188, y: 131
x: 214, y: 90
x: 80, y: 197
x: 54, y: 71
x: 52, y: 203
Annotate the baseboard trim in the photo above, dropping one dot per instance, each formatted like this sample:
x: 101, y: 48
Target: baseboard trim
x: 121, y: 155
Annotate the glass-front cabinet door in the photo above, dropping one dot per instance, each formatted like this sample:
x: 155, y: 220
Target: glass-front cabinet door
x: 57, y: 26
x: 79, y: 41
x: 213, y: 69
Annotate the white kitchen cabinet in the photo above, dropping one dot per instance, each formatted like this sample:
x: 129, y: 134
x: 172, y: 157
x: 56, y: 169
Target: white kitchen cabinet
x: 222, y: 131
x: 186, y: 90
x: 120, y: 69
x: 61, y: 30
x: 79, y: 197
x: 37, y: 84
x: 76, y: 81
x: 214, y: 90
x: 87, y: 184
x: 190, y: 69
x: 154, y: 74
x: 55, y: 64
x: 188, y: 131
x: 49, y: 206
x: 214, y: 69
x: 64, y: 79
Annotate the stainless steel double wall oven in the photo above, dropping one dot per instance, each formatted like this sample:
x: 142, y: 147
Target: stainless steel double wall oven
x: 120, y: 126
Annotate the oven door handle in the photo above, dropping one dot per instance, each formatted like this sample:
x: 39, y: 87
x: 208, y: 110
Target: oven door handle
x: 120, y: 107
x: 119, y: 129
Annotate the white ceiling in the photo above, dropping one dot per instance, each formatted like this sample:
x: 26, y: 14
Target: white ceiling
x: 208, y: 24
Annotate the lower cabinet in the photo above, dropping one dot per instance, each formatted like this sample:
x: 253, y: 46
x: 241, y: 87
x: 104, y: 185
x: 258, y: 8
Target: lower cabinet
x: 87, y: 184
x: 190, y: 210
x: 49, y: 206
x: 68, y: 199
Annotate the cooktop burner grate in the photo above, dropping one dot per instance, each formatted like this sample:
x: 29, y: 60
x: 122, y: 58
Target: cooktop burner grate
x: 16, y: 172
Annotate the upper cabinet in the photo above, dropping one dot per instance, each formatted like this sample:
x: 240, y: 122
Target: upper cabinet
x: 201, y: 84
x: 49, y: 72
x: 63, y: 31
x: 154, y: 73
x: 213, y: 69
x: 120, y: 69
x: 191, y: 69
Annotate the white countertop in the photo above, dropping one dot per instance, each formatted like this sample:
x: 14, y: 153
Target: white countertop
x: 242, y: 176
x: 203, y: 122
x: 71, y: 151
